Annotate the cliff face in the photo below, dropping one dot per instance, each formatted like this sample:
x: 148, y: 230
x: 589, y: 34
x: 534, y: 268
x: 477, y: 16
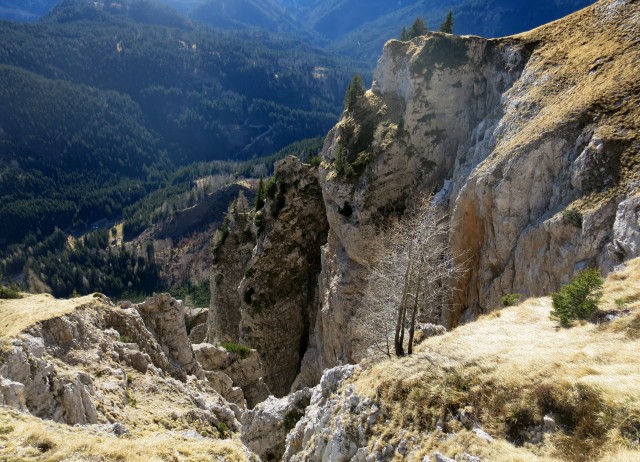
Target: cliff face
x: 530, y: 144
x: 547, y: 189
x: 399, y: 142
x: 232, y: 254
x: 113, y: 371
x: 264, y: 287
x: 279, y: 291
x: 530, y: 141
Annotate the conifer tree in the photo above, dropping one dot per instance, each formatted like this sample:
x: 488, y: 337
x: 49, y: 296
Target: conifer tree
x: 354, y: 92
x: 418, y: 28
x: 404, y: 35
x: 447, y: 25
x: 260, y: 195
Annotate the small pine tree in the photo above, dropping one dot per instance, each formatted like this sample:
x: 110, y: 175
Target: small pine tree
x: 404, y: 34
x: 579, y: 299
x: 418, y: 28
x: 447, y: 25
x: 355, y: 91
x: 260, y: 195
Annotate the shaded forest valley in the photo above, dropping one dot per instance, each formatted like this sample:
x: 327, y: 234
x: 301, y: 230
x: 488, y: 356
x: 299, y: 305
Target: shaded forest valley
x: 113, y: 122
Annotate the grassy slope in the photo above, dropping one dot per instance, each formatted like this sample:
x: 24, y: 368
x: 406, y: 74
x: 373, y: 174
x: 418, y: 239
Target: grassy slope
x: 24, y: 438
x: 16, y: 315
x: 511, y: 368
x: 587, y: 72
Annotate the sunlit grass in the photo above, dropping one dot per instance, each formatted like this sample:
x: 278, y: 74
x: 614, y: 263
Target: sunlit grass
x: 508, y: 370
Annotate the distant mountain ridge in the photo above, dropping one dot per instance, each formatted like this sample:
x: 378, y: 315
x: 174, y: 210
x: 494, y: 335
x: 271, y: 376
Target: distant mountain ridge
x: 25, y: 10
x: 355, y: 28
x: 139, y: 11
x: 266, y: 14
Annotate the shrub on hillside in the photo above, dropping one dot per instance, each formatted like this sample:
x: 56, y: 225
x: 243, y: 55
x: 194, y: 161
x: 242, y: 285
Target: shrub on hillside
x: 579, y: 299
x: 573, y: 216
x: 241, y: 350
x: 511, y: 299
x: 9, y: 292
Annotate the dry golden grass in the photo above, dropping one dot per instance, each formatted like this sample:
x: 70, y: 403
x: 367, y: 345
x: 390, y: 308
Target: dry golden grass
x: 25, y: 438
x: 507, y: 370
x: 17, y: 315
x: 155, y: 411
x: 586, y: 69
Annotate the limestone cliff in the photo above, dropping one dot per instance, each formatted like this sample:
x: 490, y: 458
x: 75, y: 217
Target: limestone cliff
x: 264, y: 287
x: 531, y: 144
x: 399, y: 142
x: 233, y: 249
x: 530, y: 141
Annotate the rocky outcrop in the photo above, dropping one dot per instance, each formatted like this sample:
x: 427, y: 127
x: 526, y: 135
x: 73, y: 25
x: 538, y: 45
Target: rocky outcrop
x: 264, y: 286
x: 279, y: 291
x: 335, y: 423
x: 164, y: 317
x: 31, y: 382
x: 92, y: 364
x: 233, y: 250
x: 243, y: 369
x: 265, y: 428
x: 301, y: 425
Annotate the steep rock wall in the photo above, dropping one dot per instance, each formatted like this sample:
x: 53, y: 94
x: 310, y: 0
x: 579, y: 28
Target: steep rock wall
x: 232, y: 254
x: 400, y: 140
x: 546, y: 190
x: 279, y: 290
x: 264, y: 286
x: 532, y: 142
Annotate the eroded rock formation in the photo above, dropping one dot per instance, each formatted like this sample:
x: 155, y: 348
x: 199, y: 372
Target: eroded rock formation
x: 233, y: 251
x: 265, y: 281
x: 243, y: 370
x: 92, y: 364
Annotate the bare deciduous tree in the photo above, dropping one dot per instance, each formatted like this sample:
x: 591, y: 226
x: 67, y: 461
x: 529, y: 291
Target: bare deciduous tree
x: 412, y: 274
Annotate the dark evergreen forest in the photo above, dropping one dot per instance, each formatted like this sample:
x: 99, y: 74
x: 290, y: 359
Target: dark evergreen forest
x: 91, y: 261
x: 98, y: 106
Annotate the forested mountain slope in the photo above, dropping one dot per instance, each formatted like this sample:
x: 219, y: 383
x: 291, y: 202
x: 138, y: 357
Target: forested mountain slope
x: 97, y: 102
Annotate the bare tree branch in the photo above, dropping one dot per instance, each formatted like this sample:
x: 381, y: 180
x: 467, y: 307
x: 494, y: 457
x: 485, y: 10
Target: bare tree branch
x: 413, y: 270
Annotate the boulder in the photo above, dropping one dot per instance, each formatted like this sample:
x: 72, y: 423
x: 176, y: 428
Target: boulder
x: 265, y: 427
x: 164, y: 317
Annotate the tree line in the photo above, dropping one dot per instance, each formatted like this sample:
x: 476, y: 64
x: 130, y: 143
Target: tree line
x: 419, y: 27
